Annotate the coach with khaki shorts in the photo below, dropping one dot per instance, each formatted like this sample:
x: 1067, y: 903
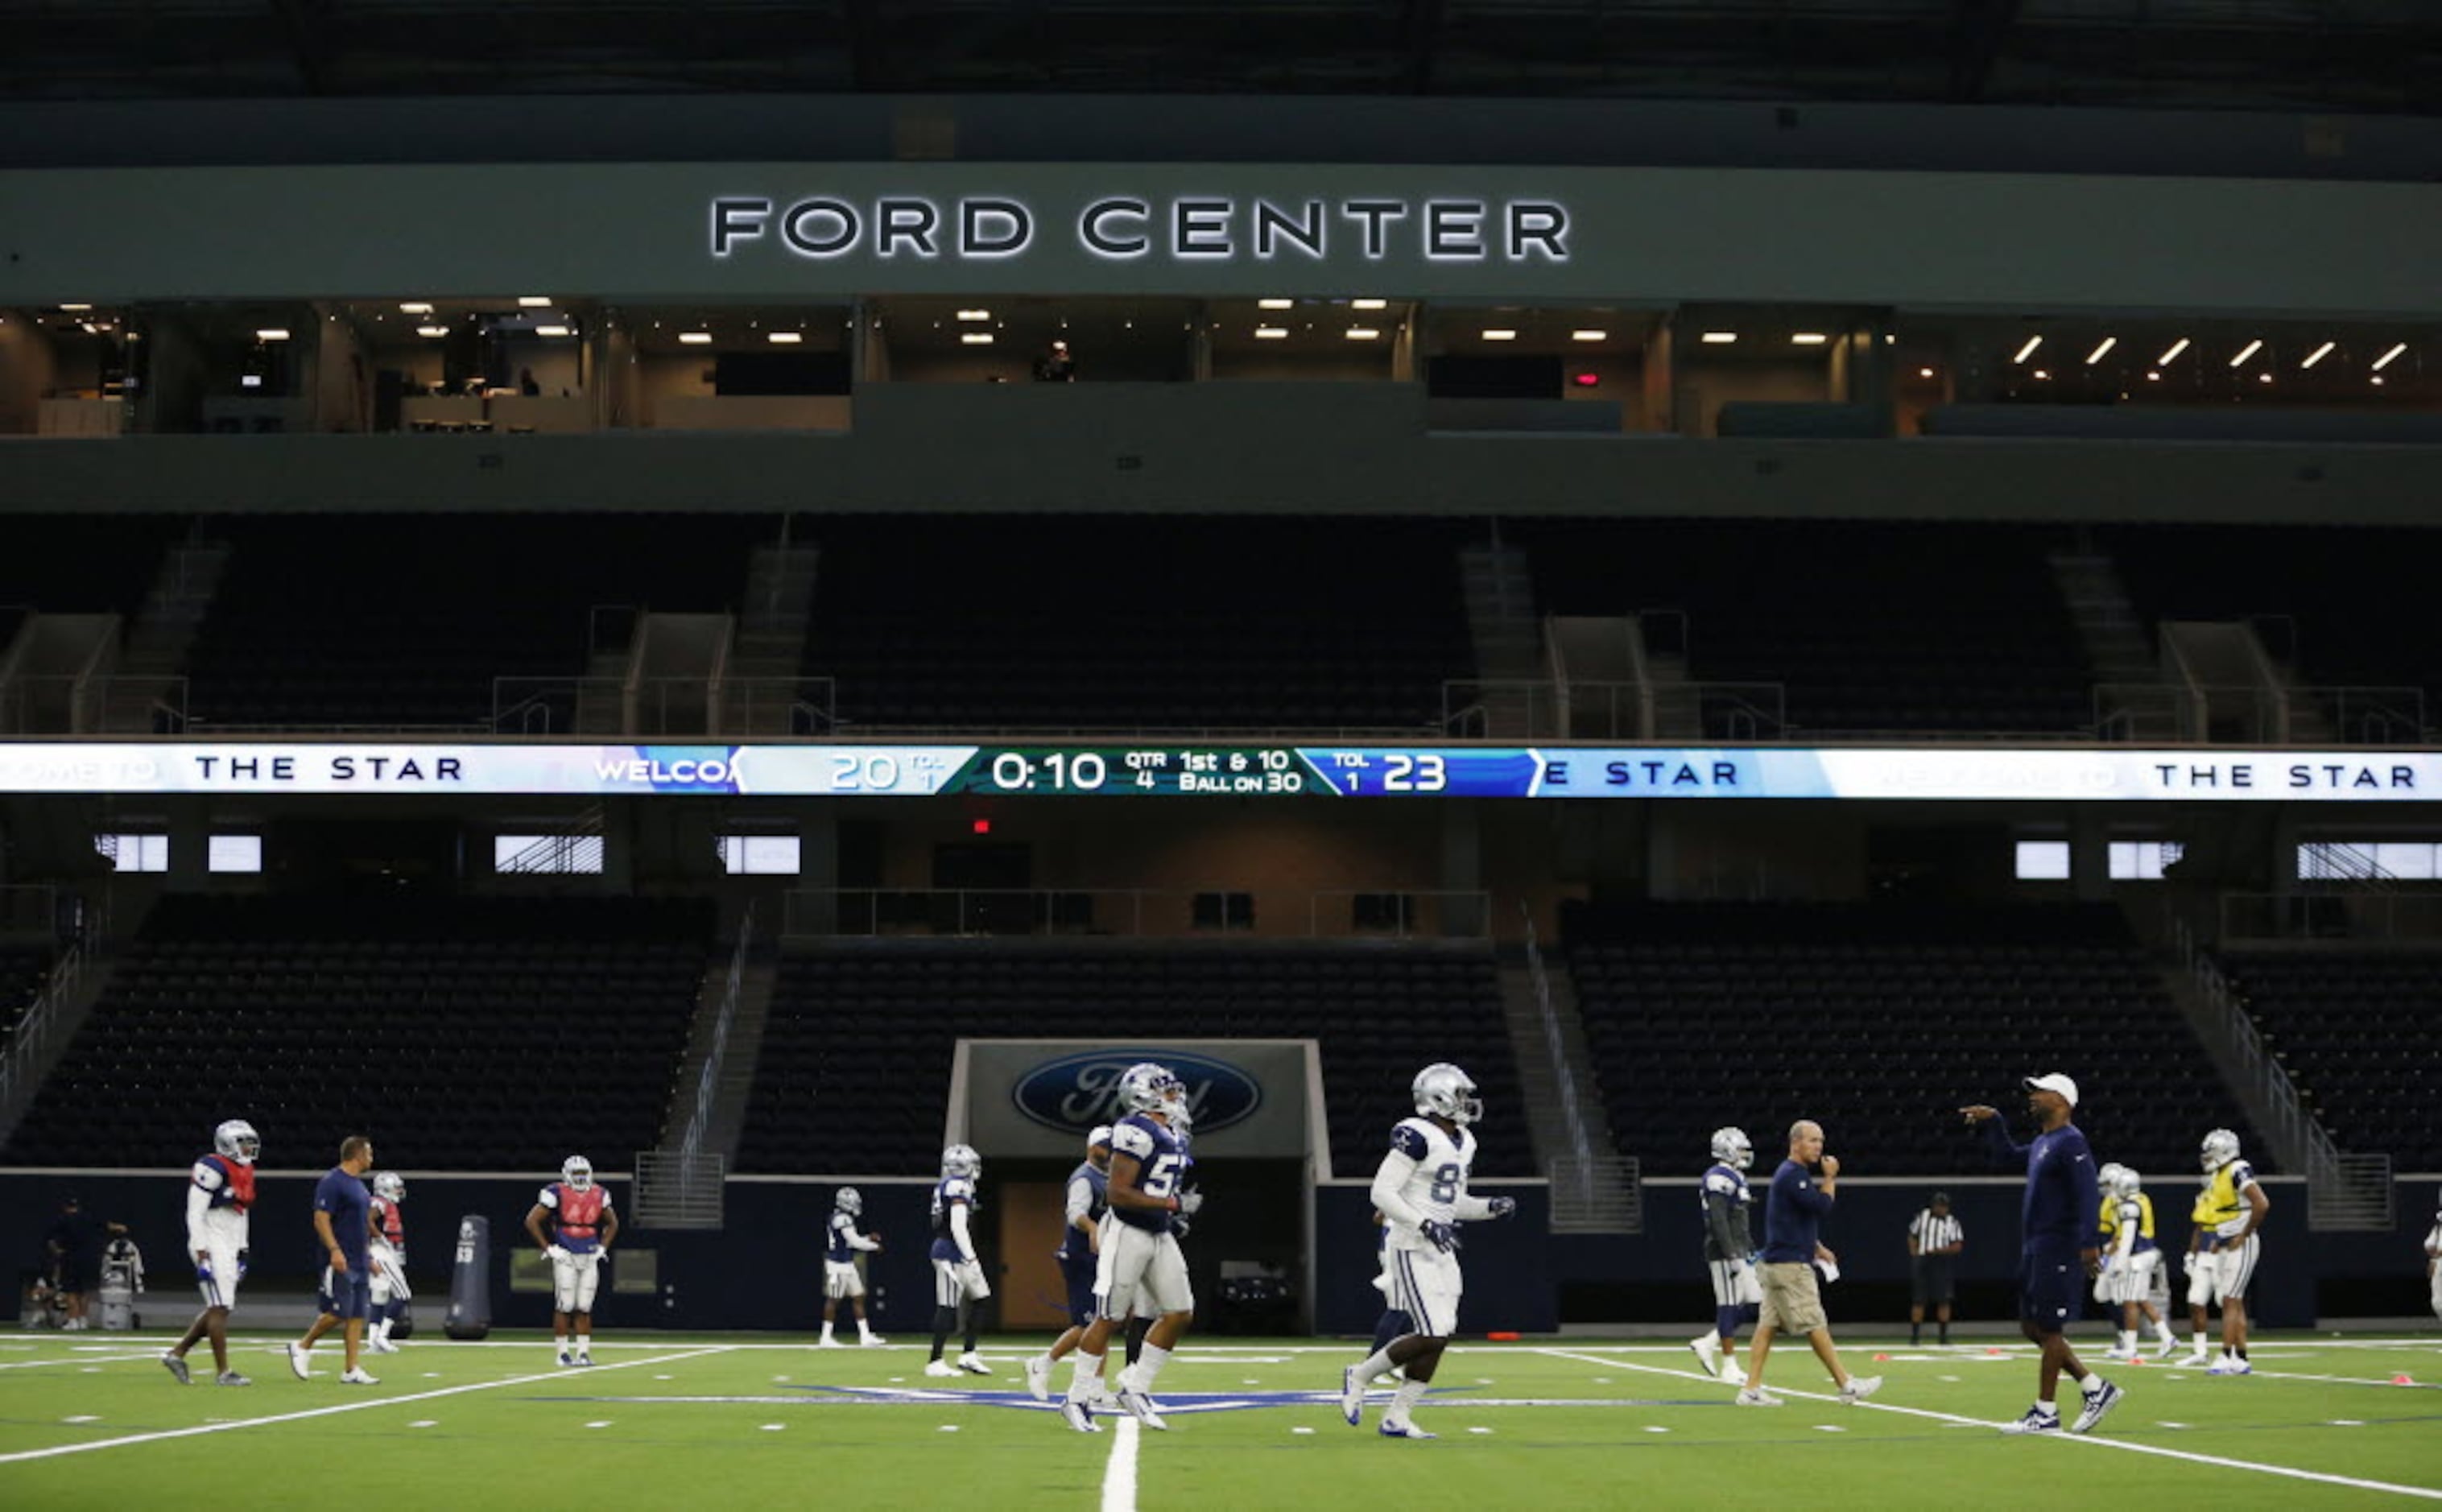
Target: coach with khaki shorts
x: 1792, y: 1299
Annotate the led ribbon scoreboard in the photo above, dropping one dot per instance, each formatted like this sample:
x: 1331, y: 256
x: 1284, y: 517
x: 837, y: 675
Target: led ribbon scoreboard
x: 1217, y: 770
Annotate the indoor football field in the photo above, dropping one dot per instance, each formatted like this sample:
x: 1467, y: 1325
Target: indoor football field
x: 94, y: 1421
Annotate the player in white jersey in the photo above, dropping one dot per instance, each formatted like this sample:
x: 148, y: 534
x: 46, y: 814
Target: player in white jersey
x: 220, y: 1189
x: 1138, y: 1269
x: 2434, y: 1264
x: 388, y: 1251
x: 842, y: 1244
x: 1421, y: 1189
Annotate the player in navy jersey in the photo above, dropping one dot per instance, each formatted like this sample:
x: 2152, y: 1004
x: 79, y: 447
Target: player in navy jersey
x: 1139, y: 1268
x: 1729, y: 1249
x: 220, y: 1189
x: 2058, y: 1217
x: 583, y: 1226
x: 1084, y: 1202
x: 842, y: 1281
x: 1421, y: 1188
x: 959, y: 1284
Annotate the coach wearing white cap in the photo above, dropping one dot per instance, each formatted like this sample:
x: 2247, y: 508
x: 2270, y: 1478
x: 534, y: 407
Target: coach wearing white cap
x: 2058, y: 1220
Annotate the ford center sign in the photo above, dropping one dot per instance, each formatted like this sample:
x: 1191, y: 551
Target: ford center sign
x: 1076, y: 1092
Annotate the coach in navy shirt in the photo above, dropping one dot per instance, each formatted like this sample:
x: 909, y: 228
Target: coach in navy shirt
x: 343, y: 1222
x: 2058, y: 1217
x: 1793, y: 1301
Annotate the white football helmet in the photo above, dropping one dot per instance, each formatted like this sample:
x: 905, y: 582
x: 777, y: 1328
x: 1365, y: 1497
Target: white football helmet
x: 1445, y: 1091
x: 2107, y: 1178
x: 1146, y: 1087
x: 577, y: 1172
x: 2127, y: 1183
x: 236, y: 1141
x: 849, y: 1201
x: 961, y: 1160
x: 1732, y: 1148
x: 390, y: 1186
x: 2220, y: 1148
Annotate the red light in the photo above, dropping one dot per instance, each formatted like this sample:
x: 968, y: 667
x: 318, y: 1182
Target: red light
x: 1588, y: 380
x: 981, y: 827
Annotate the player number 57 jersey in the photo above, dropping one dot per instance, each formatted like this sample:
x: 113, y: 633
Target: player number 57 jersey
x: 1436, y: 1187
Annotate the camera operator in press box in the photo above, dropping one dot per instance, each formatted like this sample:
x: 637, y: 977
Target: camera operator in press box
x: 122, y: 1281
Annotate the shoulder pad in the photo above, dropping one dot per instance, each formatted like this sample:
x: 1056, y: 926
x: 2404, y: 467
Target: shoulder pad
x: 1409, y: 1139
x: 1133, y: 1138
x: 550, y: 1195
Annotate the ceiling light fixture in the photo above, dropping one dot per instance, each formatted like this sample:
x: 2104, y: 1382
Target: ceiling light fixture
x: 1276, y: 304
x: 1718, y: 339
x: 2099, y: 351
x: 1589, y: 336
x: 2028, y: 350
x: 1808, y: 338
x: 1500, y: 333
x: 271, y: 334
x: 534, y: 302
x: 2172, y: 354
x: 975, y: 315
x: 1362, y: 333
x: 695, y: 338
x: 975, y: 338
x: 1271, y: 332
x: 416, y: 307
x: 431, y: 330
x: 2389, y: 358
x: 552, y: 330
x: 2245, y: 352
x: 2317, y: 356
x: 1369, y: 304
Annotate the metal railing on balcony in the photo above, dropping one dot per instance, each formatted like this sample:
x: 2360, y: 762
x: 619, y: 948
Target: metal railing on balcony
x: 831, y: 913
x: 662, y: 707
x: 93, y: 704
x: 1546, y: 709
x: 2364, y: 916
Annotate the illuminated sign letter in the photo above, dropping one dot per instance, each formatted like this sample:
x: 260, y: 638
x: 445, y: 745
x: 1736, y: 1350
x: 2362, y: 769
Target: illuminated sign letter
x: 906, y: 220
x: 1377, y: 214
x: 1200, y: 227
x: 1304, y: 234
x: 1015, y: 227
x: 1090, y: 226
x: 1533, y: 223
x: 737, y: 220
x: 793, y: 228
x: 1453, y: 228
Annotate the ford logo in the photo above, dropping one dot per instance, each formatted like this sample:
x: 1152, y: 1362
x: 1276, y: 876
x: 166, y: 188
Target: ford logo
x: 1076, y: 1092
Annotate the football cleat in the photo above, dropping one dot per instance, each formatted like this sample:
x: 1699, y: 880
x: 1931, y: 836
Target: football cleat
x: 827, y: 1341
x: 565, y: 1358
x: 381, y: 1346
x: 1078, y: 1416
x: 1859, y: 1387
x: 2098, y: 1405
x: 2230, y: 1365
x: 359, y: 1376
x: 1038, y: 1378
x: 2034, y: 1422
x: 1352, y: 1396
x: 231, y: 1378
x: 2197, y: 1361
x: 1708, y: 1353
x: 2170, y: 1346
x: 1391, y: 1430
x: 583, y: 1359
x: 1142, y: 1408
x: 974, y: 1364
x: 177, y: 1368
x: 940, y: 1367
x: 1757, y: 1396
x: 871, y: 1342
x: 297, y: 1362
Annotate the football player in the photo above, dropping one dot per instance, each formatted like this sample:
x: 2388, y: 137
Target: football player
x: 2434, y: 1264
x: 389, y: 1250
x: 220, y: 1189
x: 2135, y: 1259
x: 2233, y: 1205
x: 1729, y: 1248
x: 841, y: 1279
x: 1139, y: 1268
x: 584, y: 1226
x: 959, y: 1284
x: 1421, y: 1188
x: 1084, y: 1202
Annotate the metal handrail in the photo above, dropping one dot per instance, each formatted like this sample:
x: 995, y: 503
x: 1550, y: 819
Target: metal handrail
x: 1572, y: 1116
x: 2295, y: 1126
x: 34, y: 1030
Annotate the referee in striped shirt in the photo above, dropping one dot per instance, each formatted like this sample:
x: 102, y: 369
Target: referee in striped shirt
x: 1933, y: 1239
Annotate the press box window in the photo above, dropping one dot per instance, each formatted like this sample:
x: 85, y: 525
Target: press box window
x: 2043, y: 860
x: 2142, y: 860
x: 234, y: 853
x: 135, y: 853
x: 760, y: 855
x: 561, y: 855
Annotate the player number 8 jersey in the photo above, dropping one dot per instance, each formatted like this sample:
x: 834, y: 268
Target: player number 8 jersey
x: 1439, y: 1179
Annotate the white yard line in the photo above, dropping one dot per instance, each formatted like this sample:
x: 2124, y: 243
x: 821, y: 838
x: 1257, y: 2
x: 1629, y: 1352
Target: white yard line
x: 2346, y: 1380
x: 2427, y: 1493
x: 78, y: 1360
x: 1119, y: 1475
x: 357, y: 1406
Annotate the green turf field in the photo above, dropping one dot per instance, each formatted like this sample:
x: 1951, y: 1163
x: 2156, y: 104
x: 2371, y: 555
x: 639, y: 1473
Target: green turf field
x: 92, y: 1421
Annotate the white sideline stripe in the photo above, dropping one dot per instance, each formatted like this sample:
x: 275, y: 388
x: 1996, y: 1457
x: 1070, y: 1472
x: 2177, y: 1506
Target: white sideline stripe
x: 331, y: 1412
x: 78, y: 1360
x: 1119, y: 1474
x: 2428, y: 1493
x: 2348, y: 1380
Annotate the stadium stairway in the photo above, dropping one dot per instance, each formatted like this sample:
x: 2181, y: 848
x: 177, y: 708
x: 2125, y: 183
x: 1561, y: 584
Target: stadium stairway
x: 79, y: 975
x: 1593, y: 1190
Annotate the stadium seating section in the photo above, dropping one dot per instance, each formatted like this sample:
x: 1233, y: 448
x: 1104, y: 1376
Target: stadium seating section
x: 79, y: 564
x: 1868, y: 625
x: 857, y: 1054
x: 23, y: 970
x: 1879, y: 1021
x: 406, y: 620
x: 1054, y: 623
x: 2362, y: 1035
x: 461, y: 1035
x: 2354, y: 601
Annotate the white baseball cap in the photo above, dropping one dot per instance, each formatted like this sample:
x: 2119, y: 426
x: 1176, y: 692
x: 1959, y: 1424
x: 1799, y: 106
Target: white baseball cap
x: 2054, y: 1082
x: 1100, y: 1137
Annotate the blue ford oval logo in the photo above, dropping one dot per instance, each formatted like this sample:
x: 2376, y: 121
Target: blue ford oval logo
x: 1076, y: 1092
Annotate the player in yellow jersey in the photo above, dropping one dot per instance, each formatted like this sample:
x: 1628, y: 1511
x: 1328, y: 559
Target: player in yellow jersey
x: 2128, y: 1274
x: 2222, y: 1250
